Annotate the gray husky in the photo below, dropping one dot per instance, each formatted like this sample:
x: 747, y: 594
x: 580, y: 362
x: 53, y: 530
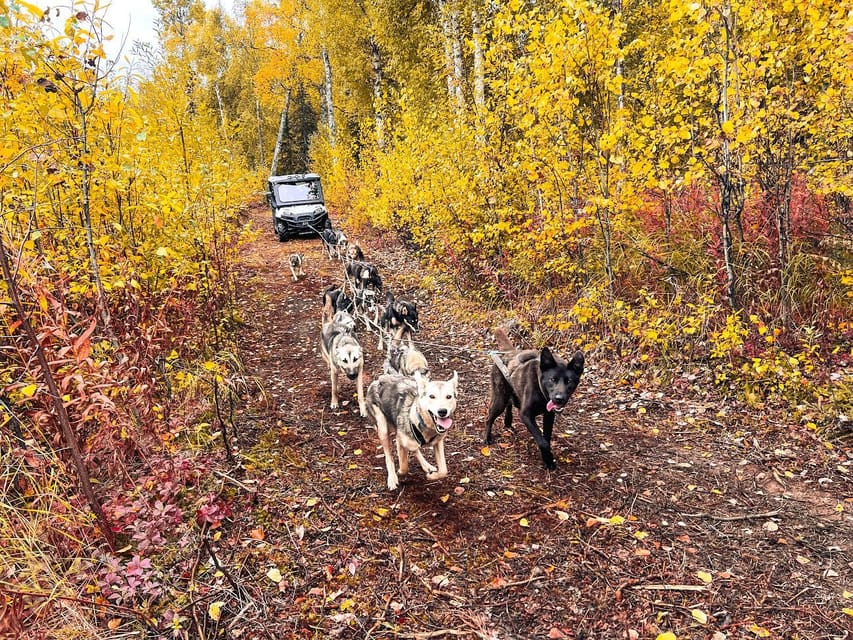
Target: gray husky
x: 420, y: 412
x: 538, y: 383
x: 405, y: 360
x: 342, y: 352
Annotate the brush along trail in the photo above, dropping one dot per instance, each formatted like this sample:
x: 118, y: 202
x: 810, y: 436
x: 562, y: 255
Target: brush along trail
x: 671, y: 509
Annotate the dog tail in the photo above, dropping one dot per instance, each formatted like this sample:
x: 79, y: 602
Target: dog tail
x: 502, y: 338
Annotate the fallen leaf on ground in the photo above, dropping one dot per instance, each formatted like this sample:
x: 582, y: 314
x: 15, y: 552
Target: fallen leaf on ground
x: 705, y: 577
x: 699, y: 616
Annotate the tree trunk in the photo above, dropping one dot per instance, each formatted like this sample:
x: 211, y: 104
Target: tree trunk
x: 783, y: 232
x: 479, y: 79
x: 56, y: 397
x: 379, y: 119
x: 449, y: 17
x: 282, y: 127
x: 327, y: 95
x: 619, y: 66
x: 261, y: 160
x: 731, y: 185
x: 85, y: 212
x: 728, y: 257
x: 222, y: 117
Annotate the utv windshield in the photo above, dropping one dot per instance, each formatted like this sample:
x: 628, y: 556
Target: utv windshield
x: 297, y: 191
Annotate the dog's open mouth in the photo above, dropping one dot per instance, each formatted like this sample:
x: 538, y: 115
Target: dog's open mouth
x: 442, y: 424
x: 552, y: 406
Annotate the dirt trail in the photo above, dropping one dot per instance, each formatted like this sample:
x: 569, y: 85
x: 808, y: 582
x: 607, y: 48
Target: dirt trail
x: 669, y: 511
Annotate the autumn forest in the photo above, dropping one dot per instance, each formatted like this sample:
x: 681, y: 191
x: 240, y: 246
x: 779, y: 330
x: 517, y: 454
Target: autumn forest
x: 665, y: 185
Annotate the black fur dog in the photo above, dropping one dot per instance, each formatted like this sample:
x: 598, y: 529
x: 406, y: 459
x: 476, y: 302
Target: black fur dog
x: 363, y: 275
x: 334, y: 300
x: 400, y: 319
x: 539, y: 384
x: 333, y: 239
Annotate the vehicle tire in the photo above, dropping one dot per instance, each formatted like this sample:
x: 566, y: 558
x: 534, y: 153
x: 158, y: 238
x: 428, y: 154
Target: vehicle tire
x: 282, y: 237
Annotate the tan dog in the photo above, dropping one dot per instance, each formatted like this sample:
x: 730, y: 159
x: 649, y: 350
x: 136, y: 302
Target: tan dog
x: 420, y: 412
x: 296, y: 260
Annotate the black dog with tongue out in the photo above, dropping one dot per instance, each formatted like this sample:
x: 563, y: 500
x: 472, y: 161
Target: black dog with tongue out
x: 538, y: 383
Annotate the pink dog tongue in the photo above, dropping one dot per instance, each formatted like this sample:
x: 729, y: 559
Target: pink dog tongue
x: 444, y: 423
x: 552, y: 407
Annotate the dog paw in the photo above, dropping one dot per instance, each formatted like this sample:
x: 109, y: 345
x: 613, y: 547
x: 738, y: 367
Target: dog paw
x: 548, y: 459
x: 393, y: 484
x: 333, y: 405
x: 435, y: 474
x: 362, y: 412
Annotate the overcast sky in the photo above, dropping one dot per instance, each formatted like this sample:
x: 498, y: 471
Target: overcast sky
x: 135, y: 19
x: 131, y: 18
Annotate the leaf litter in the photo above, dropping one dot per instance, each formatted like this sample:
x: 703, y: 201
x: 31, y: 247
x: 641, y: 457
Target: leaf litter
x: 654, y: 525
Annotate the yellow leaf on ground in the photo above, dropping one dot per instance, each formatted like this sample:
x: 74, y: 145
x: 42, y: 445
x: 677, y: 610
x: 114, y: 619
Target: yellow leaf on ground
x: 523, y: 522
x: 486, y: 451
x: 214, y: 610
x: 274, y: 574
x: 704, y: 576
x: 29, y: 391
x: 669, y: 635
x: 761, y: 632
x: 848, y: 611
x: 699, y: 616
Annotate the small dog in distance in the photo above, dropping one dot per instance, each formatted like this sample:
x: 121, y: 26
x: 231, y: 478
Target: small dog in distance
x: 297, y: 262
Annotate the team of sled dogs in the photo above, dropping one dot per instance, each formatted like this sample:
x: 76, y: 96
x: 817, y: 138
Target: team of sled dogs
x: 405, y: 403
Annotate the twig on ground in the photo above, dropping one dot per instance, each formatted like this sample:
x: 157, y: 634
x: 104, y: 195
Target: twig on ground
x: 235, y: 482
x: 746, y: 516
x: 517, y: 583
x: 439, y: 633
x: 667, y: 587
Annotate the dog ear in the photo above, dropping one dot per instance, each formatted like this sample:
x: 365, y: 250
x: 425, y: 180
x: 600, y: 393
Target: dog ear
x: 546, y: 359
x: 455, y: 381
x: 577, y: 362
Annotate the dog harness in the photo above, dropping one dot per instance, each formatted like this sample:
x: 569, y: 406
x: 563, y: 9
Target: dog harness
x: 419, y: 436
x: 505, y: 372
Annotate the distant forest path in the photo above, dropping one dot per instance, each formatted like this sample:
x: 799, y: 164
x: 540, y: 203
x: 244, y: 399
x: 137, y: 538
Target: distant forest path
x: 669, y: 511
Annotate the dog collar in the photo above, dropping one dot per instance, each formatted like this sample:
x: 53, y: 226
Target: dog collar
x: 419, y: 436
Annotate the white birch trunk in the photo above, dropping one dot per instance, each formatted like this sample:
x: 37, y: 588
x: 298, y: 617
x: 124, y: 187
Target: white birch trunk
x: 479, y: 80
x: 282, y: 126
x: 327, y: 96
